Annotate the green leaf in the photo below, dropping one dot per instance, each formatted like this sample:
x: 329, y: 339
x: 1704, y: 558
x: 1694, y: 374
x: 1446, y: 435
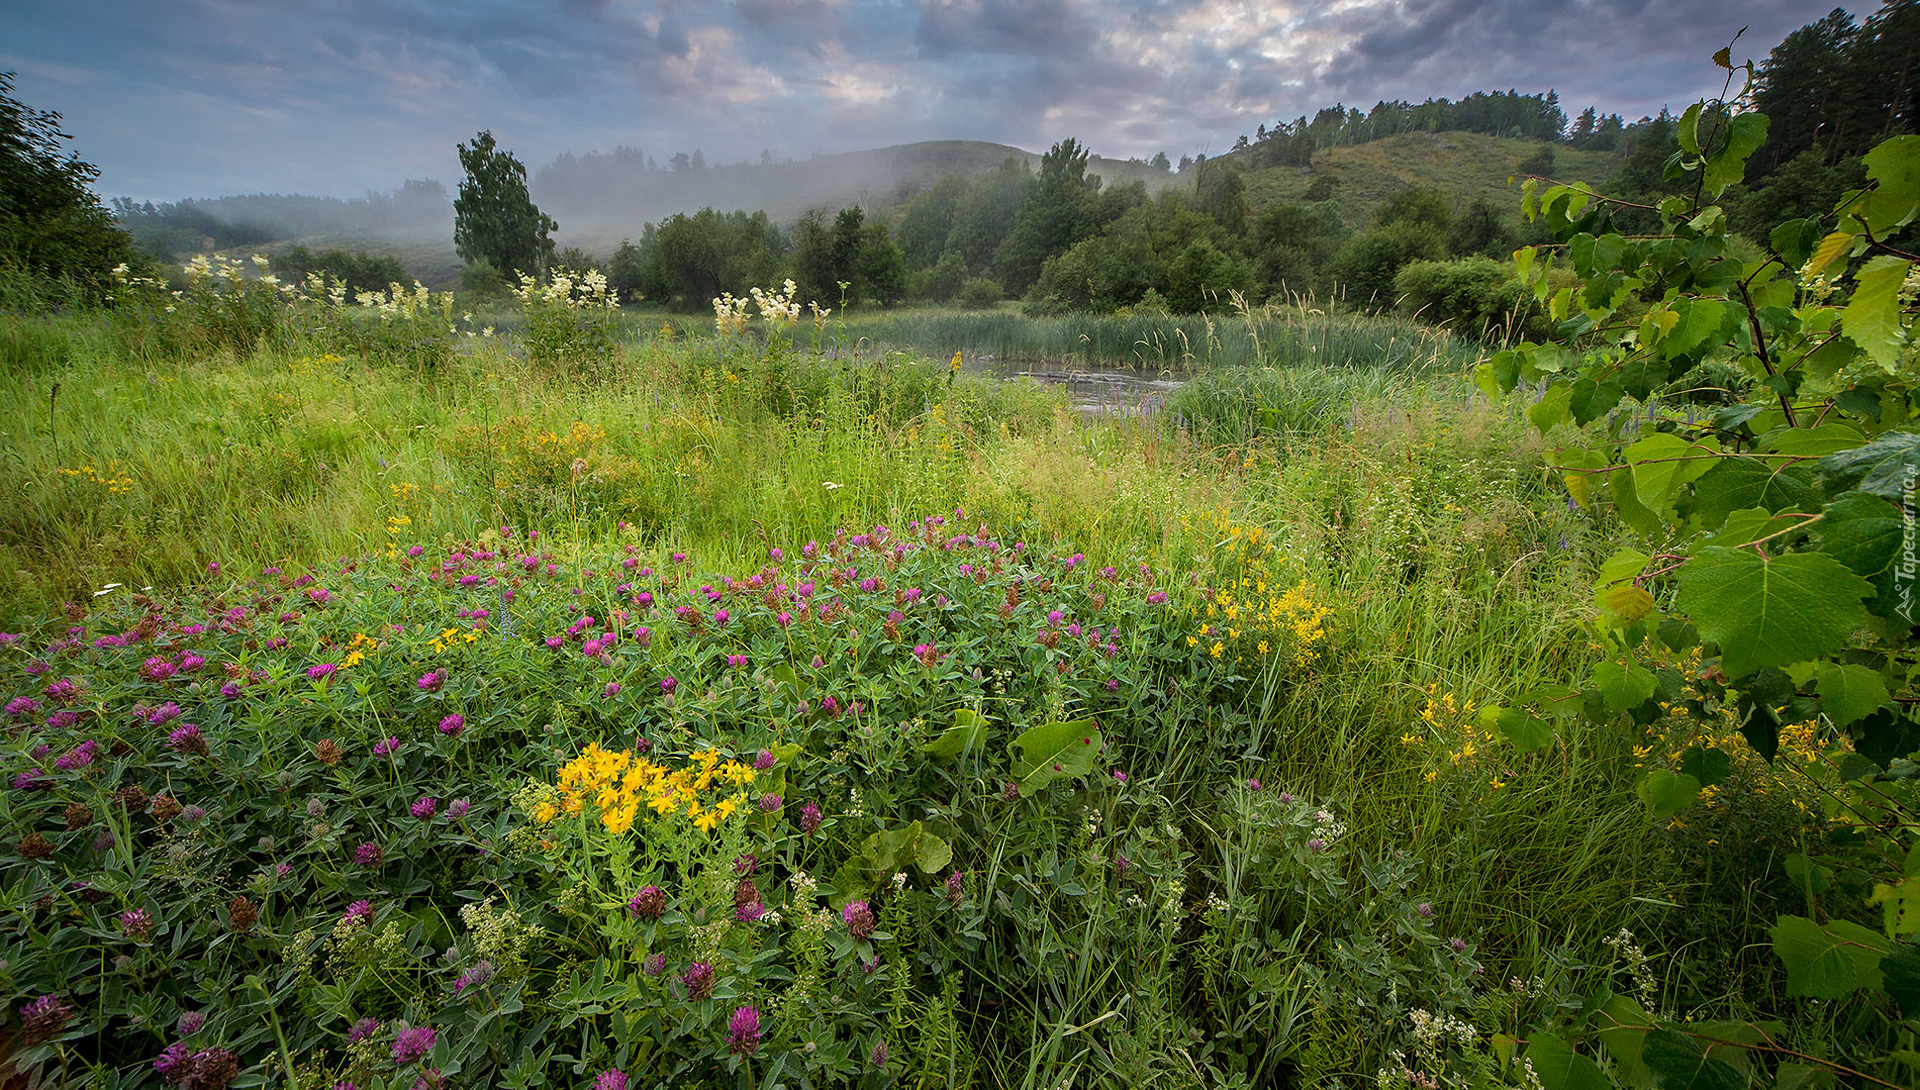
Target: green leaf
x: 1551, y: 409
x: 1526, y: 732
x: 1771, y: 611
x: 1679, y: 1063
x: 1700, y: 319
x: 1872, y: 317
x: 1813, y: 442
x: 1559, y: 1067
x: 1662, y: 463
x: 1794, y: 240
x: 1667, y: 793
x: 1831, y: 962
x: 1623, y: 1027
x: 1053, y: 751
x: 1706, y: 764
x: 1884, y: 467
x: 1862, y: 531
x: 969, y: 732
x: 1884, y: 735
x: 1849, y: 692
x: 1895, y: 164
x: 1736, y: 484
x: 1802, y: 1077
x: 1624, y: 686
x: 1745, y: 133
x: 1750, y: 525
x: 1892, y: 203
x: 1901, y: 970
x: 1810, y: 878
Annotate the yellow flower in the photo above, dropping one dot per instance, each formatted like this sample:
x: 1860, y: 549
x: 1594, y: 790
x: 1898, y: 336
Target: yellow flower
x: 1216, y: 649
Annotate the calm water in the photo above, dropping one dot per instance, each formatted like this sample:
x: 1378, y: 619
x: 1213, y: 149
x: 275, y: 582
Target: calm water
x: 1093, y: 389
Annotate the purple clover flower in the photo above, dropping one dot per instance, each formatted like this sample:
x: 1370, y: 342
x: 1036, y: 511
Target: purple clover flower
x: 743, y: 1031
x: 410, y: 1045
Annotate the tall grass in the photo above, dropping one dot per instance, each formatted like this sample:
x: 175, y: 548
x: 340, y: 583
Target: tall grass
x: 1421, y: 518
x: 1301, y: 335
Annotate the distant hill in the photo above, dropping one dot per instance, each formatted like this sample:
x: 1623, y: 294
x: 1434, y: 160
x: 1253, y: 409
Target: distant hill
x: 600, y: 199
x: 1463, y: 165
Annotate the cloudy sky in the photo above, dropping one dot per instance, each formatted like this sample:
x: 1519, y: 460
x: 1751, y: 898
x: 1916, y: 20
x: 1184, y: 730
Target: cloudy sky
x: 179, y: 98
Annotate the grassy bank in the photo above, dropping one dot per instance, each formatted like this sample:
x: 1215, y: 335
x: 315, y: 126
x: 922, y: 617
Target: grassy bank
x: 783, y: 586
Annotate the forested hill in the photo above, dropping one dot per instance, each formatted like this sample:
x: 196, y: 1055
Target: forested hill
x: 601, y: 198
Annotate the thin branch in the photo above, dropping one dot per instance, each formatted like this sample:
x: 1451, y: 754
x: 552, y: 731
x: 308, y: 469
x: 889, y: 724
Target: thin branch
x: 1760, y: 349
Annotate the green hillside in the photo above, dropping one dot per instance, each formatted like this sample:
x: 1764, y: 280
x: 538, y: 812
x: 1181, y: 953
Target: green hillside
x: 1462, y: 165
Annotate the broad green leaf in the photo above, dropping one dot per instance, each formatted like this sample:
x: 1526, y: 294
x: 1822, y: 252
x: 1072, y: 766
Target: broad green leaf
x: 1771, y: 611
x: 1892, y: 203
x: 1900, y: 909
x: 1663, y: 462
x: 1813, y: 442
x: 1885, y: 735
x: 1645, y: 521
x: 1623, y: 1027
x: 1745, y: 133
x: 1750, y: 525
x: 1735, y: 484
x: 1706, y: 764
x: 1872, y: 317
x: 1624, y: 686
x: 969, y: 732
x: 1829, y: 251
x: 1887, y: 467
x: 1794, y: 240
x: 1863, y: 532
x: 1830, y: 962
x: 1559, y: 1067
x: 1895, y: 164
x: 1667, y: 793
x: 1550, y: 409
x: 1053, y: 751
x: 1901, y: 972
x: 1620, y: 567
x: 1678, y: 1062
x: 1801, y: 1077
x: 1849, y: 692
x: 1700, y: 319
x: 1526, y: 732
x: 1810, y: 878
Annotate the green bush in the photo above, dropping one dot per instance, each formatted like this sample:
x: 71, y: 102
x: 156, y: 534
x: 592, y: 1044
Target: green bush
x: 1365, y: 267
x: 979, y: 293
x: 1475, y: 296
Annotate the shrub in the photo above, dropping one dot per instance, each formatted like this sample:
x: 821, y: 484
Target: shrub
x: 979, y: 293
x: 1367, y: 264
x: 1475, y: 296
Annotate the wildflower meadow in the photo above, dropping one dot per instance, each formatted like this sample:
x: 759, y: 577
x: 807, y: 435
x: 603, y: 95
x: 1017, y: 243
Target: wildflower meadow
x: 396, y: 700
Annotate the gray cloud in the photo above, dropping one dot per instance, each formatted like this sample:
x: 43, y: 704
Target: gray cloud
x: 199, y: 97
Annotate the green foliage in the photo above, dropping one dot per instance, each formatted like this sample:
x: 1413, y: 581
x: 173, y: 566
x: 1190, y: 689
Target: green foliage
x: 1774, y: 518
x: 978, y: 293
x: 358, y: 270
x: 1366, y: 266
x: 54, y: 233
x: 1475, y: 296
x: 495, y: 222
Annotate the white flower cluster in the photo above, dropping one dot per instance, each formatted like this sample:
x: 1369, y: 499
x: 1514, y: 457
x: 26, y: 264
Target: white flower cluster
x: 569, y: 288
x: 777, y: 307
x: 1434, y: 1030
x: 730, y: 314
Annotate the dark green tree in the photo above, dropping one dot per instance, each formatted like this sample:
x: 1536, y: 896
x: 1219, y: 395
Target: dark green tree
x: 1367, y: 264
x: 54, y: 232
x: 494, y: 220
x: 1058, y: 213
x: 1293, y: 245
